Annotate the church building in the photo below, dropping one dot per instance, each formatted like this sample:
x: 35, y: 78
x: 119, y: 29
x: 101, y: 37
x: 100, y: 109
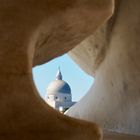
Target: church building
x: 58, y: 94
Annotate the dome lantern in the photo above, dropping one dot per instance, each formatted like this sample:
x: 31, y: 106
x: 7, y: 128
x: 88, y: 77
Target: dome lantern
x: 59, y: 75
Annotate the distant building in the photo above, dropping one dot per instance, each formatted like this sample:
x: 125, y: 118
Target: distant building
x: 59, y: 94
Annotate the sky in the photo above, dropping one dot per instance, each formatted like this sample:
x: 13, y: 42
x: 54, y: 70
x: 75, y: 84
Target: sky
x: 79, y: 81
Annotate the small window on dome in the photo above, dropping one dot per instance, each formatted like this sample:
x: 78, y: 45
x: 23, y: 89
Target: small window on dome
x: 48, y: 97
x: 56, y: 97
x: 65, y: 98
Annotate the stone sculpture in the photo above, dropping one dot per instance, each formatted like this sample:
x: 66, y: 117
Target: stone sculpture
x: 33, y: 32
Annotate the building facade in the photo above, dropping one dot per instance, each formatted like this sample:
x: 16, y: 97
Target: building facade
x: 58, y: 94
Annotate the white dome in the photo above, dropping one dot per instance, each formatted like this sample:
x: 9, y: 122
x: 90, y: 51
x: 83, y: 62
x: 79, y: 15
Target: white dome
x: 58, y: 86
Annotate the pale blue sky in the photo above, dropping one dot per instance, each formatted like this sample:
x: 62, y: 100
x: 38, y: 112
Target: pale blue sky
x: 78, y: 80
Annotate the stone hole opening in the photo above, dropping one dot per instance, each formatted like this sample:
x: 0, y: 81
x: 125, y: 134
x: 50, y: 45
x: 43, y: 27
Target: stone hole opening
x: 61, y: 82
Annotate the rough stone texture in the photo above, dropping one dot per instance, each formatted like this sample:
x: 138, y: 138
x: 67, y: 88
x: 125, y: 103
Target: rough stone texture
x: 35, y: 31
x: 114, y: 99
x: 91, y: 51
x: 117, y: 136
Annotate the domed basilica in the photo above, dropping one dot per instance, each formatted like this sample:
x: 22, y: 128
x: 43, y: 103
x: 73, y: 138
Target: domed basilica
x: 59, y: 94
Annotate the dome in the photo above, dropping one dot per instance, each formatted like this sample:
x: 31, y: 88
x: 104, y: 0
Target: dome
x: 58, y: 85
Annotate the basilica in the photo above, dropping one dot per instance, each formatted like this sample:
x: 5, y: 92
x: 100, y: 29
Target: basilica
x: 58, y: 94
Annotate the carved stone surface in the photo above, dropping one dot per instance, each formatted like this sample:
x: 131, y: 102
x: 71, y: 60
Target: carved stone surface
x: 33, y: 32
x: 114, y: 99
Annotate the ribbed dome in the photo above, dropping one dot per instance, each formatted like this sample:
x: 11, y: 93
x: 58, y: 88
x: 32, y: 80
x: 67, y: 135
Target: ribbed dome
x: 58, y: 86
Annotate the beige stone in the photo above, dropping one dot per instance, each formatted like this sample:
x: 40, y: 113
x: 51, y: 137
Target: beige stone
x: 114, y: 99
x: 33, y: 32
